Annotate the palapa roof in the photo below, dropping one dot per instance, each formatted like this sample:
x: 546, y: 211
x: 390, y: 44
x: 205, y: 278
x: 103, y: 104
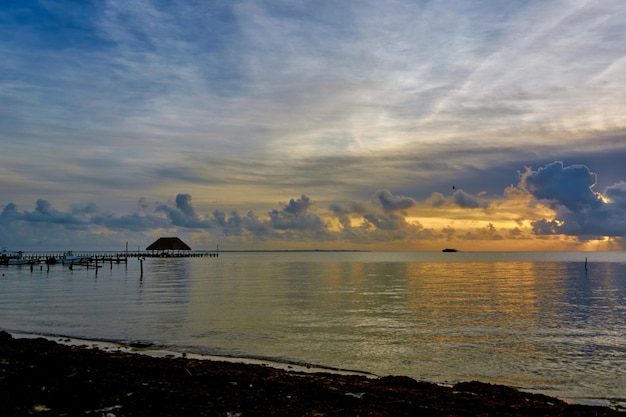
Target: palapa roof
x: 168, y: 243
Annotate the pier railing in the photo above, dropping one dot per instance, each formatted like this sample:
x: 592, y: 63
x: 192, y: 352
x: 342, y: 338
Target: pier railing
x: 105, y: 256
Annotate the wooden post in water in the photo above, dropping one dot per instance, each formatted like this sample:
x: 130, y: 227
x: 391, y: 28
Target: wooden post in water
x: 585, y: 264
x: 141, y: 266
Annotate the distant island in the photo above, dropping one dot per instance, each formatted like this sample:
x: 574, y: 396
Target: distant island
x: 449, y: 250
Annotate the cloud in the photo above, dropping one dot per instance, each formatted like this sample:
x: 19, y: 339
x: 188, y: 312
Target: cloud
x: 134, y: 222
x: 257, y: 228
x: 617, y: 194
x: 570, y: 186
x: 557, y: 200
x: 459, y: 198
x: 391, y: 202
x: 295, y: 216
x: 299, y: 206
x: 489, y: 232
x: 382, y: 218
x: 386, y: 222
x: 45, y: 213
x: 415, y: 94
x: 578, y: 209
x: 183, y: 214
x: 9, y: 214
x: 232, y: 226
x: 465, y: 200
x: 379, y: 219
x: 292, y: 220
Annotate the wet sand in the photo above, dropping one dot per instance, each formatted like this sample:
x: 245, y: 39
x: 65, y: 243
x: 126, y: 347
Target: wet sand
x: 41, y: 377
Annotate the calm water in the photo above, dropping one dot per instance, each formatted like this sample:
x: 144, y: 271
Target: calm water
x: 536, y: 321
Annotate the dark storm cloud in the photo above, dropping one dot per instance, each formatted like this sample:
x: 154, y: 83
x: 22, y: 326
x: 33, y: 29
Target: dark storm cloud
x: 569, y: 186
x: 579, y: 210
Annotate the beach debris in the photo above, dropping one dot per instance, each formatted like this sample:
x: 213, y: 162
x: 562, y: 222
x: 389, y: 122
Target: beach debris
x: 39, y: 408
x: 106, y: 410
x: 160, y: 386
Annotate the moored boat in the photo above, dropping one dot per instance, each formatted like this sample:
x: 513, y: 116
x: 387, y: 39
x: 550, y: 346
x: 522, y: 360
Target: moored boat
x: 14, y: 258
x: 19, y: 261
x: 69, y: 258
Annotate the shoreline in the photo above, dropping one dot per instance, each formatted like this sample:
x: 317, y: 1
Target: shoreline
x: 289, y: 366
x: 157, y: 352
x: 47, y: 378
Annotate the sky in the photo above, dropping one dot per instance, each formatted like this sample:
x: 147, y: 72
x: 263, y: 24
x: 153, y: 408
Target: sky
x: 283, y: 124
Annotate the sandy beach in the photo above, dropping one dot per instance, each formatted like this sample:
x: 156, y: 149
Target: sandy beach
x: 45, y: 378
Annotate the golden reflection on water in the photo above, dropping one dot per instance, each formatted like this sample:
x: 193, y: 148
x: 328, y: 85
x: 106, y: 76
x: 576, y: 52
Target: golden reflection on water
x: 468, y: 291
x: 428, y: 302
x: 516, y: 322
x: 475, y: 304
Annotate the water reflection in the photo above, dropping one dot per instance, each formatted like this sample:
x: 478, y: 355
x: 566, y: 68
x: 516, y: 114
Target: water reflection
x: 510, y: 322
x: 545, y: 324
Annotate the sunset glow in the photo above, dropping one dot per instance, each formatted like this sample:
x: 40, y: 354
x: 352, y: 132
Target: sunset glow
x: 402, y: 125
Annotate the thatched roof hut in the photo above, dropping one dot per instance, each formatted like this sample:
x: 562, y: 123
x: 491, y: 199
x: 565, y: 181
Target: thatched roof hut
x: 168, y: 244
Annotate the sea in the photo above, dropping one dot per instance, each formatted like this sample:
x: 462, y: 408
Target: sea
x: 544, y: 322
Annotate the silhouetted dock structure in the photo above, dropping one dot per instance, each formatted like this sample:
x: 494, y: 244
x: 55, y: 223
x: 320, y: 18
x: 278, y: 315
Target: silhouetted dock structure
x: 165, y: 247
x: 54, y: 257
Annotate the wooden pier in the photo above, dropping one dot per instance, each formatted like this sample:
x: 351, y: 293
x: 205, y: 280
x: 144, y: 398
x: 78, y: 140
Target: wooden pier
x: 93, y: 258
